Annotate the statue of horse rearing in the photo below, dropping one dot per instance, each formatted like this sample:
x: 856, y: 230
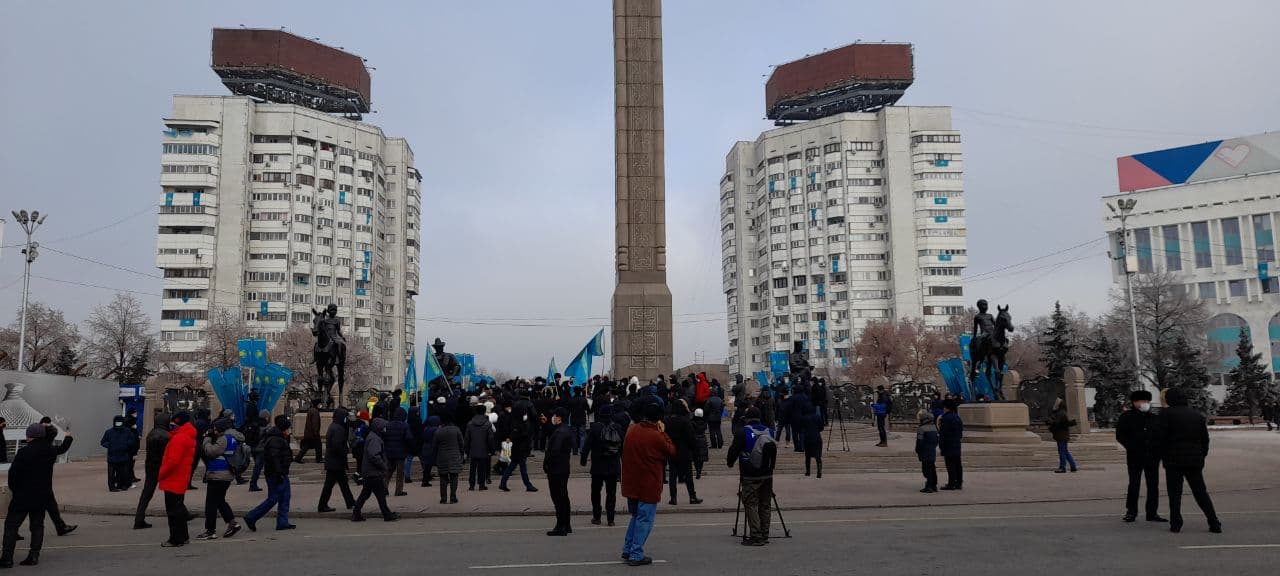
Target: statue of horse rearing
x: 329, y: 352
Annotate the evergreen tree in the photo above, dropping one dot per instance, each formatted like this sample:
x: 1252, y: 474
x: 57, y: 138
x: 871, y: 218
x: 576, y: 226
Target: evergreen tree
x: 1250, y: 385
x: 1110, y: 375
x: 1188, y: 372
x: 1057, y: 349
x: 138, y: 369
x: 65, y: 364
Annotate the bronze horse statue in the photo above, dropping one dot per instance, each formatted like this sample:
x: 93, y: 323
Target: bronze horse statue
x: 330, y: 351
x: 990, y: 348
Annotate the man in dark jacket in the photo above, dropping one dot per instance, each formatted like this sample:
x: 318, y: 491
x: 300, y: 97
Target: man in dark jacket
x: 801, y: 409
x: 276, y: 455
x: 1183, y: 441
x: 310, y: 434
x: 556, y: 466
x: 374, y: 469
x: 680, y: 429
x: 603, y: 445
x: 335, y: 461
x: 253, y: 439
x: 755, y: 483
x: 518, y: 423
x: 478, y: 438
x: 1134, y: 431
x: 950, y: 434
x: 713, y: 411
x: 578, y: 418
x: 121, y: 443
x: 818, y: 393
x: 927, y: 450
x: 157, y: 439
x: 885, y: 400
x: 395, y: 441
x: 31, y: 489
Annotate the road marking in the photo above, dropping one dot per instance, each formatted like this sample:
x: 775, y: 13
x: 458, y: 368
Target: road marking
x: 555, y: 565
x: 1228, y: 546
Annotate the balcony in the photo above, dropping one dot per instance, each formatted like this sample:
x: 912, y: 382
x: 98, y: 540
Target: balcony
x: 190, y: 304
x: 189, y: 180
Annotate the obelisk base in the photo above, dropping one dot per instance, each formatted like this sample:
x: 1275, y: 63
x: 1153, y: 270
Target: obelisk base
x: 641, y: 331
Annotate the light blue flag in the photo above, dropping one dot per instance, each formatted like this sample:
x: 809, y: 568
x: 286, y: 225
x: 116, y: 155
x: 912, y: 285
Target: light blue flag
x: 253, y: 352
x: 430, y: 369
x: 410, y: 381
x: 271, y: 381
x: 779, y: 362
x: 580, y: 367
x: 230, y: 392
x: 763, y: 378
x: 551, y: 370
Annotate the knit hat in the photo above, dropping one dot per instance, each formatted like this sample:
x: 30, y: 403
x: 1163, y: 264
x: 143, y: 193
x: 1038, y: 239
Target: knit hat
x: 1176, y: 397
x: 1138, y: 395
x: 36, y: 430
x: 282, y: 423
x: 563, y: 413
x: 181, y: 417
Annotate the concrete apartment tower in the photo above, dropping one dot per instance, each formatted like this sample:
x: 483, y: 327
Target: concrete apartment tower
x: 279, y: 199
x: 851, y: 211
x: 642, y: 344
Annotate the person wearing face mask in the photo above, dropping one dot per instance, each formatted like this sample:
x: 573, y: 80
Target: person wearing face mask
x: 1135, y: 431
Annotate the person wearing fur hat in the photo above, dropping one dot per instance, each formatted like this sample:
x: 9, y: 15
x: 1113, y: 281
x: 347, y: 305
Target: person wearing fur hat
x: 1135, y: 431
x: 31, y: 489
x: 1183, y: 441
x: 927, y: 450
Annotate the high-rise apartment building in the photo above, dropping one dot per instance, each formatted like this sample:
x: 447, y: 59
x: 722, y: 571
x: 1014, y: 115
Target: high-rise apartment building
x: 855, y: 214
x: 269, y: 209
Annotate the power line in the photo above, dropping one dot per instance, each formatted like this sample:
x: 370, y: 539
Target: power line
x: 1081, y: 125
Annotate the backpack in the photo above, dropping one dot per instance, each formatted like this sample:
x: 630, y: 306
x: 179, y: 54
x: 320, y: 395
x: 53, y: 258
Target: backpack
x: 756, y: 441
x: 611, y: 440
x: 237, y: 456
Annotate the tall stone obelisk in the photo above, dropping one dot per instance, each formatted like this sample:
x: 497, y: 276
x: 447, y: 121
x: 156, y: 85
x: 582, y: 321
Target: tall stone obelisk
x: 642, y: 343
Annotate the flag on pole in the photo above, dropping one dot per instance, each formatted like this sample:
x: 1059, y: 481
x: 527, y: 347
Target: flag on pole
x: 410, y: 381
x: 580, y: 368
x: 430, y: 369
x: 253, y: 352
x: 551, y: 370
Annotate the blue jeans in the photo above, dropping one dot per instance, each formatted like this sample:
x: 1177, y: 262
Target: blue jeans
x: 523, y: 463
x: 408, y: 466
x: 642, y: 514
x: 882, y: 426
x: 278, y: 493
x: 1064, y: 457
x: 257, y: 471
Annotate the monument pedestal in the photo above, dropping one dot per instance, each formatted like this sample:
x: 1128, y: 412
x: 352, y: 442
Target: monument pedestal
x: 997, y: 423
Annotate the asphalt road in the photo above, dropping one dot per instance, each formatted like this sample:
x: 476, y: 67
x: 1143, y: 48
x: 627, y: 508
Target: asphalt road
x: 1022, y: 539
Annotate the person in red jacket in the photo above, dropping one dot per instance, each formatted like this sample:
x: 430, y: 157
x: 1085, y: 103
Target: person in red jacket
x: 175, y: 477
x: 645, y: 450
x: 703, y: 390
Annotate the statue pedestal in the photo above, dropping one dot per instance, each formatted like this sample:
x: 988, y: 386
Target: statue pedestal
x: 997, y: 423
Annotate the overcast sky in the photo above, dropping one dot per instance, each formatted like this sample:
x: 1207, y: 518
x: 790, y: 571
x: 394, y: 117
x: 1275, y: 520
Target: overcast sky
x: 508, y: 106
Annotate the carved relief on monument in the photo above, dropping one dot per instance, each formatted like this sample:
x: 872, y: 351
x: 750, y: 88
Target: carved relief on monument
x: 639, y: 72
x: 641, y: 212
x: 644, y: 362
x: 641, y: 259
x: 640, y: 141
x: 640, y: 164
x: 642, y: 235
x: 642, y: 318
x: 641, y: 188
x: 662, y: 258
x: 639, y: 118
x: 644, y: 343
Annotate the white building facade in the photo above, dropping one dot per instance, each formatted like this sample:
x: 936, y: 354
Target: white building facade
x: 269, y: 210
x: 1208, y: 214
x: 834, y: 223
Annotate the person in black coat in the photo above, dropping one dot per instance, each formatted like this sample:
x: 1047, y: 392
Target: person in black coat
x: 556, y: 466
x: 396, y: 445
x: 156, y: 441
x: 578, y: 418
x: 1134, y: 431
x: 680, y: 429
x: 812, y: 439
x: 927, y: 450
x: 479, y: 440
x: 201, y: 422
x: 335, y: 461
x: 519, y: 424
x: 606, y: 460
x: 950, y: 435
x: 121, y: 443
x: 713, y: 411
x: 31, y: 490
x: 801, y: 408
x: 818, y: 394
x: 1183, y: 444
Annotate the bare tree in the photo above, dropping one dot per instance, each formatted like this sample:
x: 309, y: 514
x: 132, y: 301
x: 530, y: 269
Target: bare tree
x: 1165, y: 312
x: 118, y: 332
x: 48, y: 332
x: 220, y: 348
x: 899, y: 349
x: 364, y: 369
x: 925, y: 347
x: 294, y: 350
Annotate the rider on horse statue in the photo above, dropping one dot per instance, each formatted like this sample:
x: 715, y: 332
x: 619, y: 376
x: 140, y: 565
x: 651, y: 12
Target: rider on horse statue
x: 330, y: 350
x: 989, y: 345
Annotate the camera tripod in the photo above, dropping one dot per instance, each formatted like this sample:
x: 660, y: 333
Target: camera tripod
x: 786, y: 532
x: 844, y: 438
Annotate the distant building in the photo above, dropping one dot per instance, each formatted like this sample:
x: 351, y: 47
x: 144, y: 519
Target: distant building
x: 270, y: 209
x: 1207, y: 212
x: 855, y: 215
x: 714, y: 372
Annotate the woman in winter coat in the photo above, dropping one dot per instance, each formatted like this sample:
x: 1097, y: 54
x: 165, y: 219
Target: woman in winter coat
x: 813, y: 438
x: 220, y: 442
x: 479, y: 440
x: 700, y: 449
x: 449, y: 451
x: 1060, y: 426
x: 680, y: 429
x: 428, y: 452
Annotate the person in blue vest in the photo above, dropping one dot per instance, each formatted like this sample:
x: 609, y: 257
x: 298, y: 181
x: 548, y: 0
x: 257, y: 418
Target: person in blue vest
x: 755, y: 468
x: 121, y: 443
x: 218, y: 444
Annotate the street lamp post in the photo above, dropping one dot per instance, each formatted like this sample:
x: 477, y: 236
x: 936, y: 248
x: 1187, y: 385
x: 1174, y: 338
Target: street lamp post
x: 29, y: 223
x: 1122, y: 209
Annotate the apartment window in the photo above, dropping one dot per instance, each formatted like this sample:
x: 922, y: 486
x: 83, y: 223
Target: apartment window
x: 267, y: 139
x: 841, y: 296
x: 1264, y: 238
x: 1207, y: 290
x: 1172, y: 248
x: 832, y: 147
x: 185, y: 169
x: 780, y: 301
x: 802, y: 317
x: 280, y: 177
x: 779, y: 282
x: 797, y: 243
x: 201, y: 149
x: 1200, y: 242
x: 1237, y: 288
x: 946, y: 291
x: 802, y: 299
x: 858, y: 146
x: 942, y: 271
x: 346, y: 170
x: 306, y: 179
x: 1231, y: 241
x: 1142, y: 241
x: 937, y: 138
x: 306, y: 160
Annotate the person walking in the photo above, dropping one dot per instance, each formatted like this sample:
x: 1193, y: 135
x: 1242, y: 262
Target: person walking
x: 950, y: 435
x: 449, y: 451
x: 603, y: 446
x: 479, y: 440
x: 517, y: 423
x: 700, y: 442
x: 157, y: 439
x: 374, y: 470
x: 253, y: 437
x: 278, y: 455
x: 336, y: 449
x: 201, y: 421
x: 680, y: 429
x: 30, y: 490
x: 883, y: 408
x: 1135, y: 431
x: 927, y: 450
x: 427, y: 455
x: 556, y: 465
x: 813, y: 439
x: 1060, y: 427
x: 1183, y: 442
x: 755, y: 452
x: 221, y: 441
x: 121, y: 443
x: 60, y: 526
x: 395, y: 444
x: 310, y: 434
x: 646, y: 449
x: 713, y: 411
x: 175, y: 477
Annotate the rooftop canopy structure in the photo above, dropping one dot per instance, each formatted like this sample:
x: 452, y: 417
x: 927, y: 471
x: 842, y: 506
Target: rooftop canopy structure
x: 852, y: 78
x: 278, y: 66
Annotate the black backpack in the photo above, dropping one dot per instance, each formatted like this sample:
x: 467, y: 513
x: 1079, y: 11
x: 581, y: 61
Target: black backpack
x: 611, y: 440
